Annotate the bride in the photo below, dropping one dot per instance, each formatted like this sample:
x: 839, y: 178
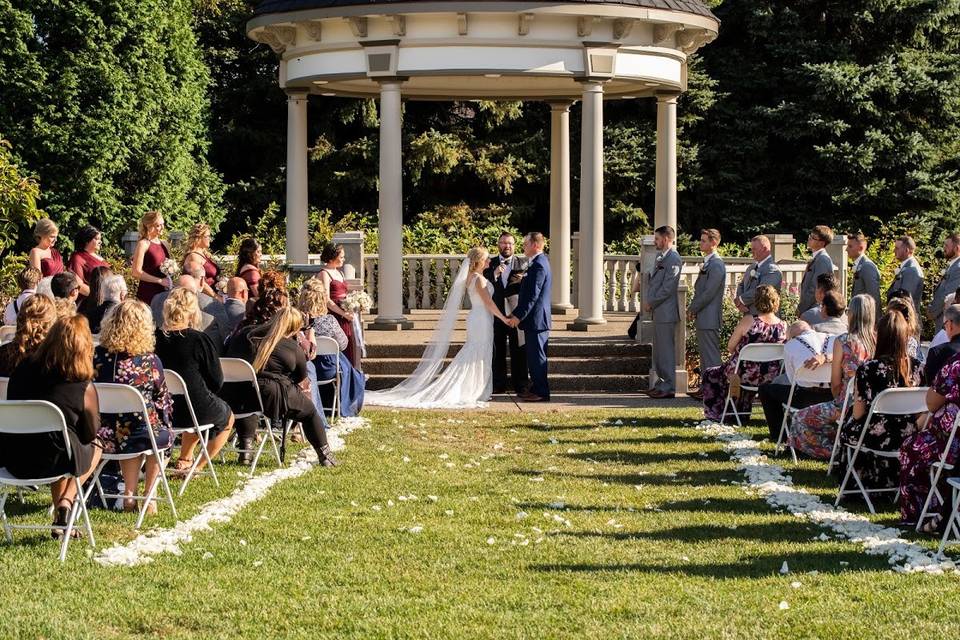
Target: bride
x: 467, y: 382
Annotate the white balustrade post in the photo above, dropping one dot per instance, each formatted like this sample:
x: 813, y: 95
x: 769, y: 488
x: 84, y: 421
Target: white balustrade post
x: 665, y: 212
x: 837, y: 250
x: 297, y: 231
x: 782, y: 246
x: 390, y: 271
x: 591, y: 209
x: 352, y: 242
x: 560, y: 205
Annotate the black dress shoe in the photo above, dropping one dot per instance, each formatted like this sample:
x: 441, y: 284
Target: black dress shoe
x: 247, y: 445
x: 656, y: 394
x: 500, y: 390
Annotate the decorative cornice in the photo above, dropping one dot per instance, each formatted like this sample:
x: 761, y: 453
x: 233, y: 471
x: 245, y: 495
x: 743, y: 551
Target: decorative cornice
x: 689, y: 40
x: 279, y: 37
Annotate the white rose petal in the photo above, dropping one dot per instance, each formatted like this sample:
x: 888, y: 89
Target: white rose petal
x: 784, y: 569
x: 783, y: 605
x: 491, y: 540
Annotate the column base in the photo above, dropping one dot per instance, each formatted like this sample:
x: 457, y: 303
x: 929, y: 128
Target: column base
x: 586, y: 324
x: 390, y: 324
x: 561, y: 309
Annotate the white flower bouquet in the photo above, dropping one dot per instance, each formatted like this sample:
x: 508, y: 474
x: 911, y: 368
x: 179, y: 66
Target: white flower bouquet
x: 357, y: 301
x: 220, y: 286
x: 170, y: 268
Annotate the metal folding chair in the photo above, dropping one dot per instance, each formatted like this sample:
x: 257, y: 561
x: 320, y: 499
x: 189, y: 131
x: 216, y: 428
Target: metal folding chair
x: 177, y: 387
x: 122, y: 398
x: 22, y: 417
x: 760, y: 352
x: 3, y: 388
x: 890, y: 402
x: 815, y: 377
x: 847, y: 406
x: 327, y: 346
x: 936, y: 470
x: 951, y: 529
x: 237, y: 370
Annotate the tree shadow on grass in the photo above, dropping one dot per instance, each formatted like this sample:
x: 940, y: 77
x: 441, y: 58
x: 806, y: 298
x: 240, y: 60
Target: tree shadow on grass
x: 696, y: 478
x: 767, y: 531
x: 639, y: 458
x: 660, y: 439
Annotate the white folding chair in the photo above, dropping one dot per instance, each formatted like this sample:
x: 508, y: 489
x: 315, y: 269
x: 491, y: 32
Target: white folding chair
x: 122, y: 398
x: 813, y: 378
x: 327, y: 346
x: 951, y: 529
x: 177, y: 387
x: 21, y: 417
x: 923, y: 351
x: 760, y: 352
x: 847, y: 406
x: 7, y: 332
x: 237, y: 370
x: 890, y: 402
x: 936, y: 470
x: 3, y: 388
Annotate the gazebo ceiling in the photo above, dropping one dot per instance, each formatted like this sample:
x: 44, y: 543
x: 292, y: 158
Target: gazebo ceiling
x: 441, y: 49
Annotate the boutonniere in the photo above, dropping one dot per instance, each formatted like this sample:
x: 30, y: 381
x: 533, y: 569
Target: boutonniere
x: 753, y: 273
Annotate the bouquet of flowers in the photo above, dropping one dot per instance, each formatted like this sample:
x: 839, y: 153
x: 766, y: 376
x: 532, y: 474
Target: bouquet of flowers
x: 170, y: 268
x: 220, y: 286
x: 357, y: 301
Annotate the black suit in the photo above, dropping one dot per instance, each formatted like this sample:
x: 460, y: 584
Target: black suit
x: 938, y: 357
x: 502, y: 333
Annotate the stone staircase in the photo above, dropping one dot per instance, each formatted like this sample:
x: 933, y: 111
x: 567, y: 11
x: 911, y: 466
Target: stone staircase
x: 600, y: 361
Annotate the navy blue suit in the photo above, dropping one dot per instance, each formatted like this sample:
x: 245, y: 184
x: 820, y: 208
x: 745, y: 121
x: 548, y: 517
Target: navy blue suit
x: 533, y: 311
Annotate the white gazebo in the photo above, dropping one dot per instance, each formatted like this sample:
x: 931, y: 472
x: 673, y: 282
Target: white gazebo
x: 553, y: 51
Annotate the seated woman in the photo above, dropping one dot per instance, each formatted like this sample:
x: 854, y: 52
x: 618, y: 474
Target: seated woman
x: 281, y: 367
x: 93, y: 306
x: 181, y: 347
x: 37, y: 315
x: 765, y: 327
x: 125, y: 356
x: 59, y: 371
x: 891, y: 368
x: 813, y: 429
x: 902, y: 302
x: 313, y: 305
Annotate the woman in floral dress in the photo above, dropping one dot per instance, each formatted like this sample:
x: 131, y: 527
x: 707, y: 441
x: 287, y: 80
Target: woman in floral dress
x: 890, y: 368
x: 765, y: 327
x: 813, y: 429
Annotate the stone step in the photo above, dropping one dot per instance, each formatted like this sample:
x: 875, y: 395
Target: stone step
x: 559, y: 383
x: 561, y: 348
x: 610, y: 365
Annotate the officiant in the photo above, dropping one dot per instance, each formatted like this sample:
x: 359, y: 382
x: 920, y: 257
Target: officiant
x: 505, y: 273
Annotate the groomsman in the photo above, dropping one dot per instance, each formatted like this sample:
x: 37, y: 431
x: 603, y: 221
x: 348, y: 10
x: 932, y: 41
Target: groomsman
x: 499, y: 274
x: 819, y: 264
x: 707, y: 303
x: 949, y: 281
x: 763, y: 271
x: 661, y: 294
x: 866, y: 275
x: 909, y: 275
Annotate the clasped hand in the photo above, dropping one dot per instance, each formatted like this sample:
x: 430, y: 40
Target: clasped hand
x: 511, y: 322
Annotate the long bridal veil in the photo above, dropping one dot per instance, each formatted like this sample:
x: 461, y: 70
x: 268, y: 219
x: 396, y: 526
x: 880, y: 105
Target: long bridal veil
x: 432, y: 359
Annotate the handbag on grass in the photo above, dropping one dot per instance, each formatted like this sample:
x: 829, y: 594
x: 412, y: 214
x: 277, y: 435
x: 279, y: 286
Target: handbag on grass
x: 734, y: 380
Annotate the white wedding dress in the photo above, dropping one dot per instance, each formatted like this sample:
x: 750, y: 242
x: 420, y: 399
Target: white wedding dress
x: 467, y: 382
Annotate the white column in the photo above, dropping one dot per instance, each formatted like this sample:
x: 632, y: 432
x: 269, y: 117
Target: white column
x: 560, y: 205
x: 297, y: 232
x: 665, y: 212
x: 390, y: 283
x: 590, y: 277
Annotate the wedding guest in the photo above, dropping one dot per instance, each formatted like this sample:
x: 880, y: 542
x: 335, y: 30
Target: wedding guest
x: 820, y: 263
x: 113, y: 291
x: 313, y: 305
x: 661, y: 302
x: 866, y: 275
x: 65, y: 286
x: 66, y: 308
x: 764, y: 271
x: 126, y: 356
x: 825, y: 282
x: 924, y: 446
x: 949, y: 281
x: 198, y: 256
x: 908, y: 276
x: 802, y: 347
x: 336, y: 289
x: 148, y: 256
x: 248, y: 265
x: 59, y: 371
x: 235, y: 303
x: 44, y: 256
x: 891, y: 368
x: 943, y: 352
x: 92, y: 306
x: 765, y: 327
x: 36, y: 316
x: 832, y: 314
x: 813, y: 429
x: 505, y: 273
x: 213, y: 315
x: 902, y: 303
x: 27, y: 280
x: 181, y: 347
x: 86, y: 257
x: 43, y: 287
x: 707, y: 304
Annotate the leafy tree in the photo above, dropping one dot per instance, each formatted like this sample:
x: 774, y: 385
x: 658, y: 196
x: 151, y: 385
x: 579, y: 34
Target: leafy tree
x: 18, y: 199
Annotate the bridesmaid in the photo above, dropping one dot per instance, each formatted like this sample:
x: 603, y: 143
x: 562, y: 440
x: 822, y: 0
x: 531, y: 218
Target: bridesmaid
x: 86, y: 257
x: 197, y: 256
x: 149, y: 254
x: 44, y: 256
x: 336, y: 290
x: 248, y: 265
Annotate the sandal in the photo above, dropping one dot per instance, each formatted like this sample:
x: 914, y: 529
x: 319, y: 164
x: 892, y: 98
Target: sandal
x: 932, y: 526
x: 61, y: 519
x: 181, y: 468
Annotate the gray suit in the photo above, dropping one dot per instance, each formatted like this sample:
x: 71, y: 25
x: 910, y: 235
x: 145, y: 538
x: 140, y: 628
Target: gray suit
x: 662, y: 296
x: 235, y: 310
x: 816, y: 267
x: 769, y: 273
x: 910, y: 279
x: 866, y: 280
x: 707, y: 306
x: 213, y: 316
x: 832, y: 326
x: 948, y: 284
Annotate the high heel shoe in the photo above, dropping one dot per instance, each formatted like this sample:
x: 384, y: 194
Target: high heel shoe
x: 248, y: 444
x: 326, y: 457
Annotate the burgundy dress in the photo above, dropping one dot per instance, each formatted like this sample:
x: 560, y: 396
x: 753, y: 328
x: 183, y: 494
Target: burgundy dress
x: 252, y: 278
x: 53, y: 265
x: 152, y: 259
x: 338, y: 291
x: 83, y: 263
x: 210, y: 270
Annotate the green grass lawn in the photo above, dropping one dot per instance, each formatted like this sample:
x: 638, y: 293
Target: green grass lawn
x: 653, y: 539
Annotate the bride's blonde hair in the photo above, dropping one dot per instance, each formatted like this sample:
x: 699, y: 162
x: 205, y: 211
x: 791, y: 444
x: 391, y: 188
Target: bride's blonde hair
x: 477, y: 256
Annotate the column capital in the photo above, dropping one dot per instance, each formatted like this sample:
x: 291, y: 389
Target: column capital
x: 390, y: 84
x: 297, y: 94
x: 667, y: 96
x: 560, y: 105
x: 591, y: 85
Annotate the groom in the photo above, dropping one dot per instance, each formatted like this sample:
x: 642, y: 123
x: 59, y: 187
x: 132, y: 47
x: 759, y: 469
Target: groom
x: 533, y: 316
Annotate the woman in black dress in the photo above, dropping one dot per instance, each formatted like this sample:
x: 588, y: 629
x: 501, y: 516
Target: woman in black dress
x: 192, y: 354
x: 59, y: 371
